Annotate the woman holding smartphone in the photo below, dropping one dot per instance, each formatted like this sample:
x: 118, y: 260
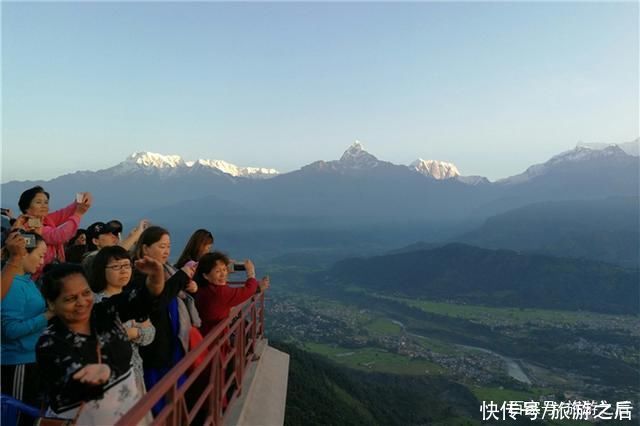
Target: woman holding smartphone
x: 55, y: 228
x: 24, y: 317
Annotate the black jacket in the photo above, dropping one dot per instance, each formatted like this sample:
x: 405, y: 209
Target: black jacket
x: 159, y: 353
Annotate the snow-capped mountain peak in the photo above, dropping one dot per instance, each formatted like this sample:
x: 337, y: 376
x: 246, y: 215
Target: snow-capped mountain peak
x: 236, y: 171
x: 435, y: 169
x: 356, y: 157
x: 581, y: 153
x: 151, y: 159
x: 172, y: 164
x: 631, y: 147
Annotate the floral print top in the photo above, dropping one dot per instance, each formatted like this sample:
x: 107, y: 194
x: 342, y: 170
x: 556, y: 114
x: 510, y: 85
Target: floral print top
x: 146, y: 336
x: 60, y: 352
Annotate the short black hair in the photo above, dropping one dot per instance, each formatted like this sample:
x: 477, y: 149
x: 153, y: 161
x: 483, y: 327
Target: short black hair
x: 206, y: 264
x: 79, y: 232
x: 98, y: 269
x: 53, y: 279
x: 27, y: 196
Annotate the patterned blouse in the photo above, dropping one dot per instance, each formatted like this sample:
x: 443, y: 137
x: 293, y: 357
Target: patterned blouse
x: 146, y: 335
x: 60, y: 352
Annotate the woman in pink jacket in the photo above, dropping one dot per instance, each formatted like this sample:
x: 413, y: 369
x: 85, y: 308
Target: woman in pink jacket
x: 56, y: 228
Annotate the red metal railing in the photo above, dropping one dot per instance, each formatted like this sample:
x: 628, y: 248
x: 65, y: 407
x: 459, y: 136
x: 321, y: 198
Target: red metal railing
x: 215, y: 383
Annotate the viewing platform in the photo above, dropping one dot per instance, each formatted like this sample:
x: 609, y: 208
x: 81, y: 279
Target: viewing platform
x: 233, y: 377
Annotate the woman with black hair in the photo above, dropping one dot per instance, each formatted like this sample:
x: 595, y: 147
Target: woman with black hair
x: 84, y: 356
x: 24, y: 317
x: 112, y: 270
x: 215, y: 298
x: 56, y: 228
x: 175, y: 318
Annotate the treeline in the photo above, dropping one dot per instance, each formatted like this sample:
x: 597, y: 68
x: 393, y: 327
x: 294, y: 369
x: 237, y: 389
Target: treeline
x: 502, y: 278
x: 323, y: 393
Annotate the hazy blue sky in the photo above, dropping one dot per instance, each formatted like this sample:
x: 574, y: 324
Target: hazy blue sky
x: 491, y: 87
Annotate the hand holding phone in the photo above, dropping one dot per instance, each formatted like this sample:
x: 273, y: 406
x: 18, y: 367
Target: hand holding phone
x: 29, y: 239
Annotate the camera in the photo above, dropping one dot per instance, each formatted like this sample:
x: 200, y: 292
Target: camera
x: 235, y: 267
x: 29, y: 239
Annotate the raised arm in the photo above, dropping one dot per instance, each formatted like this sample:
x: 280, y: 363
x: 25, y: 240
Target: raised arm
x: 140, y: 300
x: 134, y: 235
x: 60, y: 234
x: 235, y: 296
x: 16, y: 247
x: 57, y: 217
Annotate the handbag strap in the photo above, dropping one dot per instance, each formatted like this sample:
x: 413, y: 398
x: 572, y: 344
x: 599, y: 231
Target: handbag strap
x: 98, y: 351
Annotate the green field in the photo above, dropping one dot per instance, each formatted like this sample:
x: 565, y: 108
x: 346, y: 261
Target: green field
x: 384, y: 327
x: 499, y: 395
x: 374, y: 359
x: 515, y: 316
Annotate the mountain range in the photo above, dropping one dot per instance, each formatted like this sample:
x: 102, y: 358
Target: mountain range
x: 356, y: 191
x: 606, y: 230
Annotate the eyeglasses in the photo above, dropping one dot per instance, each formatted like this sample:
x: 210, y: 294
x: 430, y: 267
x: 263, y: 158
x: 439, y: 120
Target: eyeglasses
x: 119, y: 267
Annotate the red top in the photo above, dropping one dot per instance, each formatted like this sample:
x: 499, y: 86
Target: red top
x: 214, y: 302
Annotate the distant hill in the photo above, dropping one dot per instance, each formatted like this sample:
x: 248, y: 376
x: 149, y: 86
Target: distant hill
x: 606, y: 229
x: 320, y: 392
x: 357, y: 189
x: 474, y: 275
x: 579, y: 174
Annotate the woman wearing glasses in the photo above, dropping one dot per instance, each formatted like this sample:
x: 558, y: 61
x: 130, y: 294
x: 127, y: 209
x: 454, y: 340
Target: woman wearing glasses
x: 110, y: 275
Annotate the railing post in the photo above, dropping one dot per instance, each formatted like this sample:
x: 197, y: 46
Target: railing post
x: 262, y: 315
x: 240, y: 356
x: 254, y: 325
x: 218, y: 341
x: 214, y: 398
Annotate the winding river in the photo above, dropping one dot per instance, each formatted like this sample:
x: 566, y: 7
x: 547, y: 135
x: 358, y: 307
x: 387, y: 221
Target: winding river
x: 513, y: 367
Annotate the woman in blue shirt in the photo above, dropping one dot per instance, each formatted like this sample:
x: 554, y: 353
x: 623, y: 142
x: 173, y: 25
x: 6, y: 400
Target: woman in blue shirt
x: 24, y: 317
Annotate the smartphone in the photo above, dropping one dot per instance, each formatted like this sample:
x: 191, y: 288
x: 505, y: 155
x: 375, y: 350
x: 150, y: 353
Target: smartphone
x: 34, y: 222
x: 238, y: 267
x: 29, y: 241
x: 79, y: 197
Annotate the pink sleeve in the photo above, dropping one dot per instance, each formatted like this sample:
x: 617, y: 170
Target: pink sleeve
x: 59, y: 216
x: 54, y: 235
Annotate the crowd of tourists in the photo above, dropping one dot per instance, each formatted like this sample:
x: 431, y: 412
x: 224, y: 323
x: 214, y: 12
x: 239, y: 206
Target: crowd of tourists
x: 92, y: 320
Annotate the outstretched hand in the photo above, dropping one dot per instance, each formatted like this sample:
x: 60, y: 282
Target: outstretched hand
x: 189, y: 269
x: 192, y: 287
x: 265, y: 283
x: 250, y: 268
x: 150, y: 267
x: 85, y: 205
